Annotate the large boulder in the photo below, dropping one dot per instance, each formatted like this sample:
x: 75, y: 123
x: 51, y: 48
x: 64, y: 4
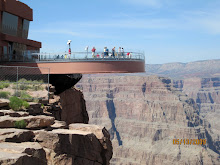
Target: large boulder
x: 22, y: 154
x: 33, y: 122
x: 73, y: 107
x: 100, y: 132
x: 72, y: 147
x: 16, y: 135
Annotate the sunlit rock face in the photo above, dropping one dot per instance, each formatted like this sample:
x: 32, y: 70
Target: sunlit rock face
x: 143, y: 115
x: 206, y: 93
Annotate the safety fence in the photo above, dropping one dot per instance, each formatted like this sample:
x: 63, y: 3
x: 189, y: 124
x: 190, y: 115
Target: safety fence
x: 74, y: 56
x: 26, y: 83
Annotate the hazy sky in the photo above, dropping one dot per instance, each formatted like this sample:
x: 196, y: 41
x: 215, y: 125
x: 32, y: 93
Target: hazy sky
x: 166, y: 30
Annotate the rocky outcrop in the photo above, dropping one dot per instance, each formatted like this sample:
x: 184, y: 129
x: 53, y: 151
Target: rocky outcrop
x: 81, y: 144
x: 32, y: 122
x: 63, y: 82
x: 44, y: 140
x: 68, y: 106
x: 13, y: 113
x: 16, y: 135
x: 101, y: 134
x: 144, y: 115
x: 22, y: 154
x: 75, y: 146
x: 73, y: 107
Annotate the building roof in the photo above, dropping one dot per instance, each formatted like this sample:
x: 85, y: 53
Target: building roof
x: 17, y: 8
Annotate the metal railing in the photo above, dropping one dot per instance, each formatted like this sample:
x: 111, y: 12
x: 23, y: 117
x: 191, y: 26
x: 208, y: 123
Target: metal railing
x: 24, y: 82
x: 74, y: 56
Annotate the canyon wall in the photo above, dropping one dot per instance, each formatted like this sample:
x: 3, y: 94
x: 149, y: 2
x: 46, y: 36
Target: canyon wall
x: 143, y: 115
x: 206, y: 93
x: 200, y: 80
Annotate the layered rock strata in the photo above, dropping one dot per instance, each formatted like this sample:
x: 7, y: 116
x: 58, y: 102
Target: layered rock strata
x: 143, y: 116
x: 206, y: 93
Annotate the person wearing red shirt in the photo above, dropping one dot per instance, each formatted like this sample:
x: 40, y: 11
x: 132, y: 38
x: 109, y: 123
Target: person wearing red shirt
x: 93, y: 52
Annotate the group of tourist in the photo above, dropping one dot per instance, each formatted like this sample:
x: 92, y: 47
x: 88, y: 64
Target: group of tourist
x: 106, y: 53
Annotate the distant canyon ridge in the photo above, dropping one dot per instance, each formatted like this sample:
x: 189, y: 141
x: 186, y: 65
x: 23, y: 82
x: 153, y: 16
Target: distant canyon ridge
x: 201, y: 69
x: 144, y: 112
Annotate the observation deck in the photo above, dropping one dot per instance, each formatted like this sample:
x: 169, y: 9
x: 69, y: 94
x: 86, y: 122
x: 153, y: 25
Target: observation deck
x: 79, y: 62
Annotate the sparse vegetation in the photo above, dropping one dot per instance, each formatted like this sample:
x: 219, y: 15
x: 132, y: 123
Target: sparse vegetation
x: 23, y: 89
x: 42, y: 105
x: 37, y: 87
x: 24, y: 84
x: 20, y: 124
x: 17, y: 104
x: 36, y: 100
x: 23, y: 95
x: 4, y: 95
x: 26, y: 104
x: 26, y: 97
x: 4, y: 84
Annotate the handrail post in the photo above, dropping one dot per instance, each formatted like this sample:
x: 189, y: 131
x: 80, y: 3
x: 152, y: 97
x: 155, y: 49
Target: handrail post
x: 17, y: 83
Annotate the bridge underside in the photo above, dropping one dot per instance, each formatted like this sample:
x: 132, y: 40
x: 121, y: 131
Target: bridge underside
x: 85, y: 67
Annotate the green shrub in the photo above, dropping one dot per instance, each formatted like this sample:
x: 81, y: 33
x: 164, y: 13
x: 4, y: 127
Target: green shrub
x: 26, y: 97
x: 23, y: 87
x: 15, y: 103
x: 4, y: 84
x: 42, y: 105
x: 1, y: 86
x: 4, y: 95
x: 26, y: 104
x: 20, y: 124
